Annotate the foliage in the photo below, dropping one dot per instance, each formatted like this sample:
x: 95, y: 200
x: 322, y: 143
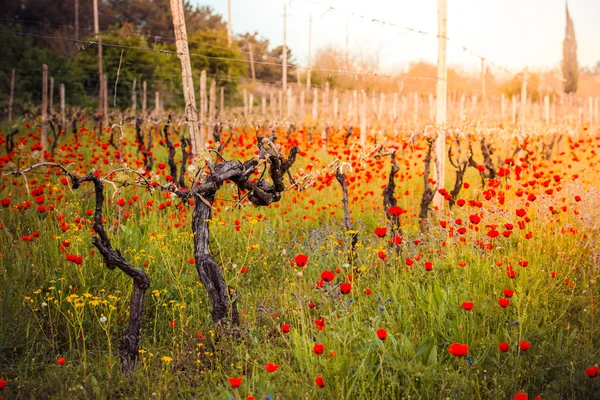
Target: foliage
x: 570, y: 67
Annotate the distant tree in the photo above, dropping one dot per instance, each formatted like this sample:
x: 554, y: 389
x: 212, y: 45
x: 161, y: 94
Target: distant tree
x: 570, y: 66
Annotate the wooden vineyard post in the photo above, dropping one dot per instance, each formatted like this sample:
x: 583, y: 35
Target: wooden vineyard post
x: 44, y: 108
x: 272, y: 104
x: 133, y: 97
x: 11, y: 97
x: 250, y: 103
x: 325, y: 102
x: 104, y: 96
x: 280, y: 104
x: 395, y: 107
x: 157, y: 105
x: 229, y: 30
x: 416, y: 108
x: 442, y: 74
x: 76, y: 19
x: 144, y: 100
x: 61, y: 94
x: 514, y: 110
x: 547, y: 109
x: 523, y: 101
x: 245, y: 94
x: 222, y: 107
x: 335, y: 104
x: 212, y: 100
x: 302, y: 101
x: 431, y: 107
x: 251, y: 54
x: 263, y: 107
x: 51, y: 96
x: 502, y: 107
x: 315, y: 104
x: 181, y: 42
x: 203, y: 105
x: 289, y: 110
x: 363, y: 119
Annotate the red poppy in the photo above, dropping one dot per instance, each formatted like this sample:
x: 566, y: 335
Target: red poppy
x: 503, y: 302
x: 467, y: 305
x: 319, y: 381
x: 318, y: 349
x: 458, y: 350
x: 162, y: 165
x: 327, y: 276
x: 428, y: 266
x: 172, y: 324
x: 270, y: 367
x: 521, y: 396
x: 61, y: 361
x: 592, y: 372
x: 3, y: 384
x: 397, y: 240
x: 395, y: 211
x: 368, y: 291
x: 381, y: 334
x: 5, y: 202
x: 235, y: 382
x: 382, y: 255
x: 524, y: 346
x: 285, y: 328
x: 301, y: 260
x: 508, y: 292
x: 380, y: 232
x: 504, y: 347
x: 345, y: 288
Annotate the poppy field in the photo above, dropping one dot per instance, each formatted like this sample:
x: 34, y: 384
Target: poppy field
x: 341, y: 278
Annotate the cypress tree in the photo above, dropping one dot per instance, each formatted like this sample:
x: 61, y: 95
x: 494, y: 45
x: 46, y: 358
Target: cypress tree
x: 570, y: 66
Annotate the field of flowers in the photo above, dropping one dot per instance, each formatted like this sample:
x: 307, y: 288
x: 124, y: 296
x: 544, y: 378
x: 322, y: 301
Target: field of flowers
x: 495, y: 296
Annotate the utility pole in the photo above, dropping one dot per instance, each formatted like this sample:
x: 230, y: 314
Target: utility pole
x: 284, y: 55
x: 99, y: 40
x: 183, y: 52
x: 229, y: 32
x: 308, y: 70
x: 524, y: 99
x: 440, y: 119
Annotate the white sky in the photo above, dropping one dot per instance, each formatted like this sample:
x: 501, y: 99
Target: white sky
x: 512, y: 33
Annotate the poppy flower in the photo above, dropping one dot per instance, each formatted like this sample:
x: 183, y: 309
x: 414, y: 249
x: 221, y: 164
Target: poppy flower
x: 368, y: 291
x: 592, y: 372
x: 270, y: 367
x: 395, y: 211
x: 508, y: 292
x: 397, y: 240
x: 524, y: 346
x: 162, y: 165
x: 428, y: 266
x: 319, y: 381
x: 61, y: 361
x: 345, y: 288
x: 521, y: 396
x: 3, y: 384
x: 285, y: 328
x: 380, y: 232
x: 382, y: 255
x: 318, y: 349
x: 467, y: 305
x: 381, y: 334
x: 5, y: 202
x: 301, y: 260
x: 172, y: 324
x: 503, y: 302
x: 504, y: 347
x: 458, y: 350
x: 235, y: 382
x: 327, y: 276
